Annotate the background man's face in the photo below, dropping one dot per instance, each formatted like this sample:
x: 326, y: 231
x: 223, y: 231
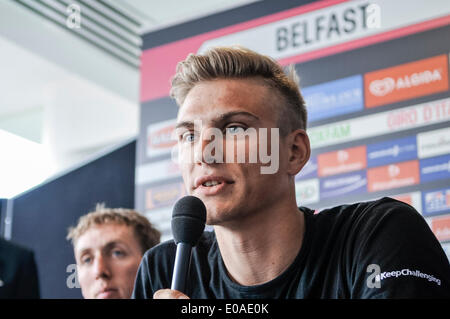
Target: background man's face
x: 108, y: 257
x: 231, y: 106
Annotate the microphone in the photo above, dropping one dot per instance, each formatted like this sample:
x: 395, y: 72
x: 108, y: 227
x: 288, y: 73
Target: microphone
x: 188, y: 223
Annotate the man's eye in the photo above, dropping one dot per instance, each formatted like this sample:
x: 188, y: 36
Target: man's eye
x: 86, y: 260
x: 235, y: 130
x: 188, y: 137
x: 118, y: 253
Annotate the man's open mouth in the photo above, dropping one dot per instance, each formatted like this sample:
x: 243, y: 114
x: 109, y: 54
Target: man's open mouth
x: 211, y: 183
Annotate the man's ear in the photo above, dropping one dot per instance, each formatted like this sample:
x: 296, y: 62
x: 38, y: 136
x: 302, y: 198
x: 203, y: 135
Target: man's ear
x: 299, y: 151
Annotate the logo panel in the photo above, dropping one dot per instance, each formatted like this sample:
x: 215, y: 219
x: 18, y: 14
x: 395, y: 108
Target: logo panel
x: 334, y: 98
x: 160, y: 139
x: 433, y: 143
x: 435, y: 168
x: 307, y: 191
x: 346, y: 184
x: 342, y: 161
x: 157, y: 172
x: 436, y: 201
x: 393, y: 151
x: 164, y: 195
x: 393, y: 176
x: 406, y: 81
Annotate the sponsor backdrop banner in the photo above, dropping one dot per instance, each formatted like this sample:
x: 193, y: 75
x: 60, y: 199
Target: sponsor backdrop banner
x: 391, y: 151
x: 334, y: 98
x: 376, y: 86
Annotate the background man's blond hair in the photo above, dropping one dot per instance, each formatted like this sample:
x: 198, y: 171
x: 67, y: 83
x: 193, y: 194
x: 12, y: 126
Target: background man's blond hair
x: 240, y: 63
x: 145, y: 233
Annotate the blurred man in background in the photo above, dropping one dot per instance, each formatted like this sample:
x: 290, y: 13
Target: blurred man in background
x: 109, y: 244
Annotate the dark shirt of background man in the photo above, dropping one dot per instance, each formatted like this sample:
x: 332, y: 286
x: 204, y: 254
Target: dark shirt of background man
x: 18, y: 272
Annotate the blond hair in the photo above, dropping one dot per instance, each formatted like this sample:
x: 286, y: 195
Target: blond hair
x: 145, y: 233
x: 239, y: 63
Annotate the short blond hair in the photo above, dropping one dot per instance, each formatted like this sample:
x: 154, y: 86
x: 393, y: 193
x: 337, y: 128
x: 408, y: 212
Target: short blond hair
x: 145, y: 233
x: 240, y: 63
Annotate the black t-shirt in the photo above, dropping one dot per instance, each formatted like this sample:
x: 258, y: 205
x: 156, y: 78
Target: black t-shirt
x: 377, y: 249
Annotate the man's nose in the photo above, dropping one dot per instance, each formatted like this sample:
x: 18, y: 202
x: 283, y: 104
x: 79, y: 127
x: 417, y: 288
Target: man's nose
x: 199, y: 150
x: 207, y: 150
x: 101, y: 268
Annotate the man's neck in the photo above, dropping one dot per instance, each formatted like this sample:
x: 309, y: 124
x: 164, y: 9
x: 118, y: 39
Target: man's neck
x: 263, y: 245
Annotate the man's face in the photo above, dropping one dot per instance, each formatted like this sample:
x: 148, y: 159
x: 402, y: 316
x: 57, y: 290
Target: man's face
x: 108, y: 258
x: 230, y: 190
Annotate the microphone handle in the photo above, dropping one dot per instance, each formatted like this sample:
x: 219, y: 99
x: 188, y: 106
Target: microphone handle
x: 181, y: 267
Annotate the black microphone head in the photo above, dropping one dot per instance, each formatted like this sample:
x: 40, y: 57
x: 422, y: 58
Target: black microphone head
x: 188, y: 220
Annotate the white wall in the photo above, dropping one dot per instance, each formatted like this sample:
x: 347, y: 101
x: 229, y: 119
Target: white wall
x: 62, y: 91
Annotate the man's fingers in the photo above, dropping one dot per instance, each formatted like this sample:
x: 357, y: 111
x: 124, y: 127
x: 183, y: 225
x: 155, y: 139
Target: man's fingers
x: 169, y: 294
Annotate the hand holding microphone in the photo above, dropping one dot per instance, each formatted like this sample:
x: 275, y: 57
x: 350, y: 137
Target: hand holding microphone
x: 188, y: 223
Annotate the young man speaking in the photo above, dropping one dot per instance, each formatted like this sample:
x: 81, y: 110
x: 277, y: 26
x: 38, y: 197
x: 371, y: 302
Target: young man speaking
x: 263, y: 245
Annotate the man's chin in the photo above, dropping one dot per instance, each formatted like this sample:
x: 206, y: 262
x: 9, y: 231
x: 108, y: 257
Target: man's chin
x: 219, y: 217
x: 109, y: 295
x: 218, y: 209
